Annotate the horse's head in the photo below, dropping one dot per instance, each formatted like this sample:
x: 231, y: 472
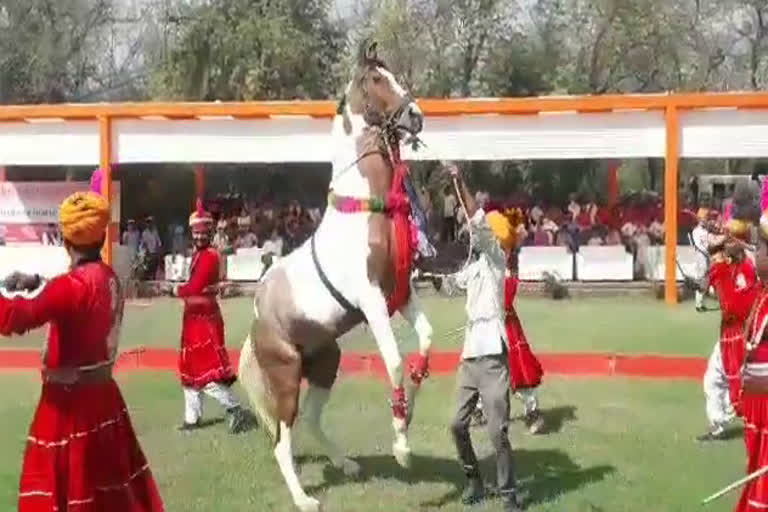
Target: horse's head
x: 375, y: 94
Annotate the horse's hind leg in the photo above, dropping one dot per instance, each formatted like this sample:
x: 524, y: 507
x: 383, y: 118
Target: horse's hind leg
x: 273, y: 387
x: 320, y: 370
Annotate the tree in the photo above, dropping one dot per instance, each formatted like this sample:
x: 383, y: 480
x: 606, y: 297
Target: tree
x: 251, y: 49
x: 49, y: 50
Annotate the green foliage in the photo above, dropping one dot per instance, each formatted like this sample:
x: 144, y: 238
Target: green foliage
x: 251, y: 49
x: 49, y: 50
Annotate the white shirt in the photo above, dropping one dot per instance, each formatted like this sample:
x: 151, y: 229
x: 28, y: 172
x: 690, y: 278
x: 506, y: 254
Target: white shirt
x: 484, y: 281
x: 131, y: 239
x: 449, y: 206
x: 700, y: 238
x: 151, y: 240
x: 273, y: 247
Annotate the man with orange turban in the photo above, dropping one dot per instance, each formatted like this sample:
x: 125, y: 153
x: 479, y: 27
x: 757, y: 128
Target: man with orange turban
x: 204, y: 363
x: 484, y: 369
x: 82, y: 453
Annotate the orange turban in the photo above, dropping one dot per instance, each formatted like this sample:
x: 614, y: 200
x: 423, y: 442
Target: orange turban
x: 502, y: 229
x: 84, y: 217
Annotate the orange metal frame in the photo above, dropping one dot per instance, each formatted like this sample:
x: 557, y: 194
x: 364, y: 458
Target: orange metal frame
x: 671, y: 104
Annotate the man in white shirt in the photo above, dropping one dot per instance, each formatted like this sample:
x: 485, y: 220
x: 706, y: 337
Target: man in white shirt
x: 150, y: 239
x: 700, y: 241
x: 484, y: 370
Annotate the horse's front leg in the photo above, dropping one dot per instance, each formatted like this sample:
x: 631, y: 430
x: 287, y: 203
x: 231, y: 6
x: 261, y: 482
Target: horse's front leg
x: 415, y: 316
x: 374, y: 307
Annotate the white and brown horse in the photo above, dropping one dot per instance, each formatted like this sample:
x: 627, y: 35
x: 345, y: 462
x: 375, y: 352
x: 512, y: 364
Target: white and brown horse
x: 352, y: 270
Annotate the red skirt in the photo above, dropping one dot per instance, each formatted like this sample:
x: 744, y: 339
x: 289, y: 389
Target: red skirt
x: 732, y: 348
x: 754, y: 498
x: 204, y: 357
x: 82, y: 455
x: 524, y: 368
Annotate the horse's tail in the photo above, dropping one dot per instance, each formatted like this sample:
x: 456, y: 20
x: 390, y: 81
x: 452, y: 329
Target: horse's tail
x: 252, y: 378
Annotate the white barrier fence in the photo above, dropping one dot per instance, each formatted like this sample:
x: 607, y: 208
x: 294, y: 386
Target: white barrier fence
x: 609, y: 263
x: 51, y: 261
x: 599, y: 263
x: 244, y: 265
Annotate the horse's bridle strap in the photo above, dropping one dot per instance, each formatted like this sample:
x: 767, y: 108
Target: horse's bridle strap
x: 327, y: 283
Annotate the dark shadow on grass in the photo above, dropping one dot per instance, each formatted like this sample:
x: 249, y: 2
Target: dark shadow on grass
x: 544, y: 474
x: 733, y: 433
x: 554, y: 418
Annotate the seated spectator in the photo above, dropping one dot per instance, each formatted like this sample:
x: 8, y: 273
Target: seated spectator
x: 613, y: 238
x: 541, y: 237
x: 595, y: 238
x: 656, y: 231
x: 274, y: 245
x: 584, y: 220
x: 591, y: 209
x: 536, y: 214
x: 245, y: 238
x: 221, y: 239
x: 574, y: 209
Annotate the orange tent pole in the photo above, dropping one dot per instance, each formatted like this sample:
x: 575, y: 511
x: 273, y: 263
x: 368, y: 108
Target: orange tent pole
x: 105, y: 162
x: 671, y: 203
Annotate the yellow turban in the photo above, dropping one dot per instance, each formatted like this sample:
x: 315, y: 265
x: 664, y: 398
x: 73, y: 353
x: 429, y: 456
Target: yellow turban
x: 764, y: 224
x: 738, y: 228
x: 84, y: 217
x: 501, y: 228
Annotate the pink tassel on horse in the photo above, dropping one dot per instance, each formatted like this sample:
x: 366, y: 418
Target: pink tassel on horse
x: 96, y: 181
x: 764, y: 196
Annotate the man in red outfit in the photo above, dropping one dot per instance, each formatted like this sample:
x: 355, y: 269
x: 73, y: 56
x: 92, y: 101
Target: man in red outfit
x: 732, y: 275
x: 204, y: 363
x: 754, y: 389
x: 82, y: 453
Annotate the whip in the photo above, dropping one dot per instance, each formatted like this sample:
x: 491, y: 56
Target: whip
x: 738, y: 483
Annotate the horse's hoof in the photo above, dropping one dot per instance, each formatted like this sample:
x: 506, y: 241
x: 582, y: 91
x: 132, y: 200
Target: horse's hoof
x: 402, y: 455
x: 309, y: 505
x: 350, y: 468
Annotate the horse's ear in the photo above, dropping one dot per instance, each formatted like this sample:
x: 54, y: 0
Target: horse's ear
x: 368, y: 52
x: 372, y: 52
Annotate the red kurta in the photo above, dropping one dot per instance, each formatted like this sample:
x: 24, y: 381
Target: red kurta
x: 524, y: 368
x: 754, y: 497
x: 82, y: 454
x: 736, y: 290
x: 203, y: 358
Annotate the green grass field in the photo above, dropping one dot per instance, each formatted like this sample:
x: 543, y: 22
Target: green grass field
x: 615, y: 445
x: 622, y: 325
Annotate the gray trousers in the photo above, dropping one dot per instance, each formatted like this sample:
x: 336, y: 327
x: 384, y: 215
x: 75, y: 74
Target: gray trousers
x: 486, y: 377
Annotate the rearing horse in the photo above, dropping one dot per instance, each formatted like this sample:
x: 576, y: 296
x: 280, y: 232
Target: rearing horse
x: 355, y: 268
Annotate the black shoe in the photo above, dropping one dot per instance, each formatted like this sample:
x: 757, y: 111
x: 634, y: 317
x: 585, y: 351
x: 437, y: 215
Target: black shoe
x: 186, y: 427
x: 474, y: 492
x: 701, y: 309
x: 239, y: 420
x: 718, y: 435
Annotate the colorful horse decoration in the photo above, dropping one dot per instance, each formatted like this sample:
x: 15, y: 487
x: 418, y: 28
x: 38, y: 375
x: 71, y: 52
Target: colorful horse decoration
x: 355, y: 268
